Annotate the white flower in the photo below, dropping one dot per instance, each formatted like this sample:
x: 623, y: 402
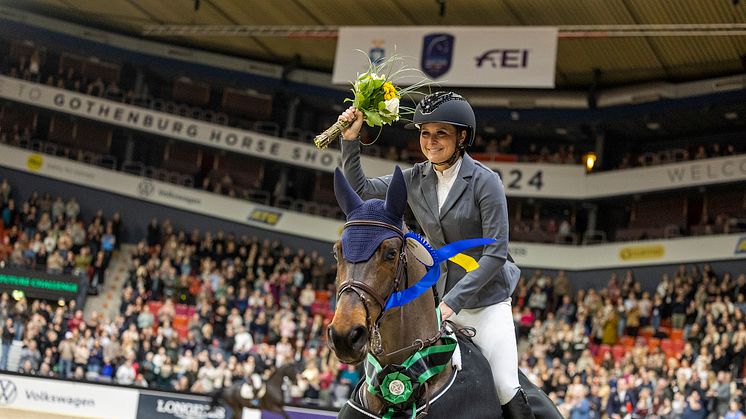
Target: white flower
x: 392, y: 105
x: 375, y: 76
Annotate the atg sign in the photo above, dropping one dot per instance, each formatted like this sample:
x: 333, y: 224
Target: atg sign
x: 455, y: 55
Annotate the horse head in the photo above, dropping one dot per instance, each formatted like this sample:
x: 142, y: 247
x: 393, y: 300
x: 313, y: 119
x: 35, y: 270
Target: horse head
x: 370, y: 264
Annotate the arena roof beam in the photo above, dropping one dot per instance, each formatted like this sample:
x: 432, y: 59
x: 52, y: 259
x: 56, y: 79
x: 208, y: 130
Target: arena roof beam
x: 565, y: 32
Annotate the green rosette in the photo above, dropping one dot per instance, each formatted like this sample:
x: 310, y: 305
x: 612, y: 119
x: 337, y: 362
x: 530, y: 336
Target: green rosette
x: 396, y: 388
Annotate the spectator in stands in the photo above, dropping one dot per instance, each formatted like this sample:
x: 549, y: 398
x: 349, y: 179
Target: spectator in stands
x: 96, y: 87
x: 8, y: 333
x: 72, y: 209
x: 9, y: 213
x: 66, y: 350
x: 6, y: 193
x: 126, y: 372
x: 734, y: 412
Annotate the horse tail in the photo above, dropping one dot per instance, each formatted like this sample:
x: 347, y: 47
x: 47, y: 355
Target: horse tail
x: 216, y: 397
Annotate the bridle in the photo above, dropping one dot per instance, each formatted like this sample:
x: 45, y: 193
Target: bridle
x: 365, y: 292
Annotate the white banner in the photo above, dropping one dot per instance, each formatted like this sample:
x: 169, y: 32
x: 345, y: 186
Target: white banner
x: 189, y: 199
x: 629, y: 254
x: 531, y: 180
x: 180, y: 128
x: 667, y: 177
x: 454, y: 55
x: 59, y: 397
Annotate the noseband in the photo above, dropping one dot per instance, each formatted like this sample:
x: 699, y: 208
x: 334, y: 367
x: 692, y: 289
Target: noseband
x: 364, y: 291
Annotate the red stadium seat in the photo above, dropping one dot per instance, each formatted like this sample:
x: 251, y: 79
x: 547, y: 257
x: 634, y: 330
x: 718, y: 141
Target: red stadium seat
x: 653, y: 343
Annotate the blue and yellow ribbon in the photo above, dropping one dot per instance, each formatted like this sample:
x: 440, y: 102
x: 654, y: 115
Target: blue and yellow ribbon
x: 452, y: 252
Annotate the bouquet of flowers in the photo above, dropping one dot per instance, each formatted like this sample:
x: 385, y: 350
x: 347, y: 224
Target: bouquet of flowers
x: 377, y: 97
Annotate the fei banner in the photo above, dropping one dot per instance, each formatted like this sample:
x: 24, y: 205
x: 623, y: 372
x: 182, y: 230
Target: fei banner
x: 180, y: 128
x: 454, y: 55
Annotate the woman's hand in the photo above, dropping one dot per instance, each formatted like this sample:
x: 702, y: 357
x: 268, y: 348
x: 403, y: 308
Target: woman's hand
x: 445, y: 311
x: 351, y: 114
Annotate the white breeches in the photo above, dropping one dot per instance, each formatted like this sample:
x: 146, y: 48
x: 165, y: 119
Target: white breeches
x: 496, y: 339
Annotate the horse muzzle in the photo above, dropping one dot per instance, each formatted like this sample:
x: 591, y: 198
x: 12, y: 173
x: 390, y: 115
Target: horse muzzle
x: 349, y: 344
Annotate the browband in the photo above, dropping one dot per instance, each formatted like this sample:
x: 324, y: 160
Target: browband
x: 375, y: 224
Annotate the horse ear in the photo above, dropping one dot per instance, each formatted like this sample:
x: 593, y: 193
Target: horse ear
x: 396, y: 196
x: 347, y: 198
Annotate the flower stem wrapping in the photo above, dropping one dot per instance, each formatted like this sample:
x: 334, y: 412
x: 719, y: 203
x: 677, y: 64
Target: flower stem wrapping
x: 323, y: 140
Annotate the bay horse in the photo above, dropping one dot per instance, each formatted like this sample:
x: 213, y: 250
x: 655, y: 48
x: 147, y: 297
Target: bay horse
x: 270, y: 397
x: 411, y: 369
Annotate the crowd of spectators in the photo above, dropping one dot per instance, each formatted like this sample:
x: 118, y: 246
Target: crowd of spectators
x: 620, y: 352
x: 198, y: 312
x: 201, y: 311
x: 49, y: 234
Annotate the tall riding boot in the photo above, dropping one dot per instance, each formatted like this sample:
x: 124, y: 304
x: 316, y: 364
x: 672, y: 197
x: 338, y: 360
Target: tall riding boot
x: 517, y: 407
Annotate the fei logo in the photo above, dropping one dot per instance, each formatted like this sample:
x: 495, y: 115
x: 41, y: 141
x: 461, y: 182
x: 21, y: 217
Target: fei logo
x: 8, y: 392
x: 504, y: 58
x: 437, y: 53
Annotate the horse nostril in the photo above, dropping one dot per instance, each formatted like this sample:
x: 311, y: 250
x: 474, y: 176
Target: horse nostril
x: 330, y: 336
x: 357, y: 337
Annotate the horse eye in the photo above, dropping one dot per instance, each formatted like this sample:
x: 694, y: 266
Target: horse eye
x: 390, y: 254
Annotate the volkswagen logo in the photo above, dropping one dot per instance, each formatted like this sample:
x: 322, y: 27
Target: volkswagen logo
x: 145, y: 188
x: 8, y: 392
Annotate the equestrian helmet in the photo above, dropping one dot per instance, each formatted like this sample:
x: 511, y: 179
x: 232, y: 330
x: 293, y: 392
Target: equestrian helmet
x: 446, y: 107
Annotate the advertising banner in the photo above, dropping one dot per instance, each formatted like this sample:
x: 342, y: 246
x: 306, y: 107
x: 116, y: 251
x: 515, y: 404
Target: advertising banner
x: 181, y: 128
x: 80, y: 400
x: 39, y: 284
x: 162, y: 405
x: 629, y: 254
x: 175, y: 196
x: 486, y: 56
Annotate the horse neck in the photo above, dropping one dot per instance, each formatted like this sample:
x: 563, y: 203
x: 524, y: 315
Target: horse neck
x: 405, y: 324
x: 277, y: 377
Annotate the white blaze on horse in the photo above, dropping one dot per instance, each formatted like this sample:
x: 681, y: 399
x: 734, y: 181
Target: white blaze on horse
x: 386, y: 316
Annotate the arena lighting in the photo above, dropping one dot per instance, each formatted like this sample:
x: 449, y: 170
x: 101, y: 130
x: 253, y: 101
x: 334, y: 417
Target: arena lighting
x: 589, y: 159
x: 568, y: 31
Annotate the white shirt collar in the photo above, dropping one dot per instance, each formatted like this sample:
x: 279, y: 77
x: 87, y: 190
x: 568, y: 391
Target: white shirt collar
x: 450, y: 172
x: 446, y: 179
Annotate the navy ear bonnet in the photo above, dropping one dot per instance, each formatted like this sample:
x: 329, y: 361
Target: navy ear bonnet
x: 359, y: 242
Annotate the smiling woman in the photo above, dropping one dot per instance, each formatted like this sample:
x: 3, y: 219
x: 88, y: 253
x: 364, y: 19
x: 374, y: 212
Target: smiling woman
x: 455, y: 198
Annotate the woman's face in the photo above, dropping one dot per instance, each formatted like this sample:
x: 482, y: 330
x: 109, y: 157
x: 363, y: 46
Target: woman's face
x: 438, y: 141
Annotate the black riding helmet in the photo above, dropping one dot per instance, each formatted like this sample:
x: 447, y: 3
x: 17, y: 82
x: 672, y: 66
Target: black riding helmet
x: 446, y: 107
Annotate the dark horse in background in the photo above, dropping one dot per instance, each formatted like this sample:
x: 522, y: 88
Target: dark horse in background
x: 363, y: 328
x: 270, y: 398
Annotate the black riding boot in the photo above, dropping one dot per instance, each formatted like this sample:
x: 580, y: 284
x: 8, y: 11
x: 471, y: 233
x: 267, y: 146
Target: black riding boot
x: 518, y: 408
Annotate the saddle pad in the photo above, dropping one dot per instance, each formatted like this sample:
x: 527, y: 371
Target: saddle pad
x: 472, y: 386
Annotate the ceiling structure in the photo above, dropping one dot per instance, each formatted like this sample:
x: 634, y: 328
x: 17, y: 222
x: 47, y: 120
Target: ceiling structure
x: 620, y: 59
